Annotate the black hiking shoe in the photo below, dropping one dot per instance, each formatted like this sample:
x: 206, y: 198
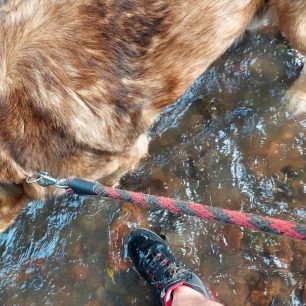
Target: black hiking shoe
x: 154, y: 261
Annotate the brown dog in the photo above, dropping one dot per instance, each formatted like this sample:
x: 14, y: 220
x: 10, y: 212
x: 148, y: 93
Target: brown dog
x: 81, y: 80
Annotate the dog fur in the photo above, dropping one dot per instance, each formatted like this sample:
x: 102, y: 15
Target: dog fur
x: 82, y: 80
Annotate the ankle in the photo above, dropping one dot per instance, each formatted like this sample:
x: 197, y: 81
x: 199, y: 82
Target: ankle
x: 186, y: 296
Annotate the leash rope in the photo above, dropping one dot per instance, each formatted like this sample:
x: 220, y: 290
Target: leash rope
x: 241, y: 219
x: 251, y: 221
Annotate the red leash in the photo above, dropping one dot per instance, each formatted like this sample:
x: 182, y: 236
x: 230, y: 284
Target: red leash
x: 251, y: 221
x: 241, y: 219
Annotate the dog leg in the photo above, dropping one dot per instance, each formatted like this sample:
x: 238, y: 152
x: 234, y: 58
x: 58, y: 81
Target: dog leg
x: 12, y: 200
x: 131, y: 216
x: 125, y: 162
x: 292, y: 17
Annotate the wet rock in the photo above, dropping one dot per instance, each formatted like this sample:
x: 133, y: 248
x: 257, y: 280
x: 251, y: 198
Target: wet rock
x: 277, y: 301
x: 93, y: 303
x: 281, y: 253
x: 38, y: 263
x: 261, y: 297
x: 276, y: 287
x: 300, y: 192
x: 131, y: 217
x: 79, y: 272
x: 22, y: 276
x: 263, y: 68
x: 75, y: 251
x: 89, y: 224
x: 100, y: 293
x: 232, y: 238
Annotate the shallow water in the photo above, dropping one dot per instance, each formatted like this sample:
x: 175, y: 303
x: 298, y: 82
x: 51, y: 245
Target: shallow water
x: 227, y: 143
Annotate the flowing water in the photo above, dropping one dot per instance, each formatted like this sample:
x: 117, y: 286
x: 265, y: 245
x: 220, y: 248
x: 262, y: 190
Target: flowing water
x: 228, y: 143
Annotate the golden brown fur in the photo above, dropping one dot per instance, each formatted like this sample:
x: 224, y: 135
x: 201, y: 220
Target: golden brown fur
x: 81, y: 80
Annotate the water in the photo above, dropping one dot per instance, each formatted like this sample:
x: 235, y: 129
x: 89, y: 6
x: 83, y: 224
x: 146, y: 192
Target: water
x: 227, y: 143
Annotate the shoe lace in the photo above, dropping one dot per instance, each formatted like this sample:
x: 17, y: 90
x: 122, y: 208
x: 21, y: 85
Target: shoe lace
x: 162, y: 268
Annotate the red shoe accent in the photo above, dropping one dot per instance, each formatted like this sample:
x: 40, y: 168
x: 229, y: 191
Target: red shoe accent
x: 168, y: 298
x: 213, y: 294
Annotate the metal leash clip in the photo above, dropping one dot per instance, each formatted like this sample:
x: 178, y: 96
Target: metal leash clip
x: 43, y: 179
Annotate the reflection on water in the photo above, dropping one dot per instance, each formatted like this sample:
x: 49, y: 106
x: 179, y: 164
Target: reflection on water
x: 227, y: 143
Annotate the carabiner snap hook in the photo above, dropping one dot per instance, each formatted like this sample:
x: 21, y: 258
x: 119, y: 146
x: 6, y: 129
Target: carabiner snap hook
x: 44, y: 180
x: 34, y: 178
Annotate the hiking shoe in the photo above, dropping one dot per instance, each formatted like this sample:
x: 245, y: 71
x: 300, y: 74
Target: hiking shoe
x: 154, y: 261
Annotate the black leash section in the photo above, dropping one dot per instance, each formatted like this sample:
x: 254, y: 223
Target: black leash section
x: 241, y: 219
